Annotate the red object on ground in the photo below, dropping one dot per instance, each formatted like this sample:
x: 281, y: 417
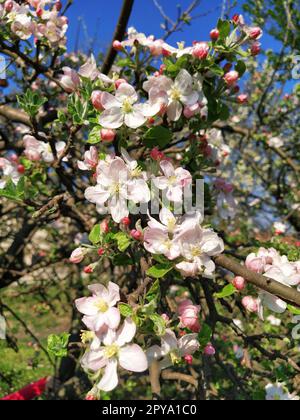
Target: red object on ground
x: 28, y: 392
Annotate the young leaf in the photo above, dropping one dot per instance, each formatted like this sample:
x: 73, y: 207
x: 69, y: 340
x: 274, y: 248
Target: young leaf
x: 226, y: 292
x: 123, y: 241
x: 58, y: 344
x: 205, y: 335
x: 159, y: 271
x: 157, y: 136
x: 95, y: 236
x: 125, y: 310
x: 153, y: 292
x: 159, y: 324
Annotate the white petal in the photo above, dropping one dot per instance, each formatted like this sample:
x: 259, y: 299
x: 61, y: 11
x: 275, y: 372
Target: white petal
x: 112, y: 118
x: 135, y: 119
x: 133, y: 358
x: 118, y: 208
x: 94, y: 360
x: 113, y: 318
x: 110, y: 378
x: 96, y: 194
x: 169, y: 342
x: 127, y: 332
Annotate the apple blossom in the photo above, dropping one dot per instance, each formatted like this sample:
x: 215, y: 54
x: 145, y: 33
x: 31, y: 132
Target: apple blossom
x: 70, y: 81
x: 279, y: 392
x: 89, y: 69
x: 107, y: 135
x: 99, y: 311
x: 116, y: 350
x: 96, y: 99
x: 255, y: 48
x: 250, y: 304
x: 209, y: 350
x: 10, y: 172
x: 201, y: 50
x: 118, y: 45
x: 231, y: 78
x: 239, y: 283
x: 189, y: 316
x: 173, y: 181
x: 122, y: 109
x: 214, y: 34
x: 172, y: 350
x: 254, y: 32
x: 78, y: 255
x: 90, y: 161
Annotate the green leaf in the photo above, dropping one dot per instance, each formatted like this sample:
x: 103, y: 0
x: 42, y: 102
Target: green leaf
x: 12, y: 191
x: 240, y: 67
x: 293, y: 310
x: 159, y: 271
x: 95, y: 236
x: 94, y: 136
x: 58, y: 344
x: 226, y: 292
x: 224, y: 28
x: 224, y: 112
x: 153, y: 292
x: 125, y: 310
x: 205, y: 335
x: 157, y: 136
x: 123, y: 241
x: 31, y: 102
x: 159, y: 324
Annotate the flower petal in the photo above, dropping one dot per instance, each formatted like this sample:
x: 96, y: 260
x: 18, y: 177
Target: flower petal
x: 110, y: 378
x: 127, y: 332
x: 133, y: 358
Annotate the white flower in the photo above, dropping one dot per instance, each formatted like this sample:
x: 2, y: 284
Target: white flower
x: 116, y: 351
x: 116, y: 184
x: 275, y: 322
x: 172, y: 350
x: 279, y: 392
x: 10, y: 172
x: 173, y: 181
x: 99, y: 309
x: 89, y: 69
x: 198, y: 245
x: 275, y: 142
x: 122, y: 109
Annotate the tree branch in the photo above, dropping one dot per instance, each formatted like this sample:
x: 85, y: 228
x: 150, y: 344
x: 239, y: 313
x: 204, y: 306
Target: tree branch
x: 265, y: 283
x: 118, y: 35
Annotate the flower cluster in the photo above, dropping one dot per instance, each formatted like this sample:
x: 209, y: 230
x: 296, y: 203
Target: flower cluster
x: 39, y: 18
x: 36, y: 150
x: 270, y: 263
x: 108, y: 341
x: 11, y: 169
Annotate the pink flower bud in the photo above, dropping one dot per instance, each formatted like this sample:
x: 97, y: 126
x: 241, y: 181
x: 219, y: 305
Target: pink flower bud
x: 255, y: 48
x: 242, y: 99
x: 104, y: 226
x: 88, y: 270
x: 58, y: 6
x: 156, y: 154
x: 107, y: 135
x: 231, y: 78
x: 209, y: 350
x: 119, y: 82
x: 8, y: 6
x: 162, y: 69
x: 101, y: 251
x: 21, y: 169
x: 239, y: 283
x: 255, y: 33
x: 250, y: 304
x: 189, y: 359
x: 39, y: 12
x: 189, y: 315
x: 201, y: 50
x: 126, y: 221
x: 96, y: 98
x: 118, y: 45
x: 165, y: 317
x: 136, y: 234
x: 77, y: 255
x: 70, y: 80
x: 214, y: 34
x: 90, y: 397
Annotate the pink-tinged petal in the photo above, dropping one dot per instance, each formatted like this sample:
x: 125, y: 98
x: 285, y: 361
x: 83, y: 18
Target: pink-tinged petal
x: 99, y: 290
x: 154, y: 240
x: 183, y: 176
x: 109, y: 101
x: 174, y: 252
x: 118, y: 208
x: 126, y: 333
x: 100, y: 321
x: 169, y: 342
x: 188, y: 344
x: 113, y: 318
x: 133, y: 358
x: 86, y: 306
x: 174, y: 111
x: 167, y: 218
x: 110, y: 378
x: 190, y: 99
x: 138, y: 191
x: 118, y: 171
x: 135, y: 119
x: 188, y: 269
x: 113, y: 293
x: 125, y: 92
x: 184, y: 80
x: 112, y: 118
x: 94, y: 360
x: 161, y: 182
x: 167, y: 168
x: 97, y: 195
x: 273, y: 303
x: 175, y: 194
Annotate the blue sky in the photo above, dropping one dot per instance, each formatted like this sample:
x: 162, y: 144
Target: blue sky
x: 101, y: 16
